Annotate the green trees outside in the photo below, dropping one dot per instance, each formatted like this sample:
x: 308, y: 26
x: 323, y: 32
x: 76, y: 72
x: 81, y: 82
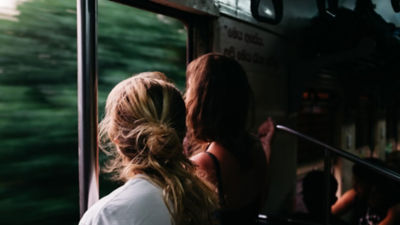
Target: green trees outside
x: 38, y: 112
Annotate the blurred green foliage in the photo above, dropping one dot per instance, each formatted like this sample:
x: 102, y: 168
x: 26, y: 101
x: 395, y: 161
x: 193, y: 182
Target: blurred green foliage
x: 38, y: 97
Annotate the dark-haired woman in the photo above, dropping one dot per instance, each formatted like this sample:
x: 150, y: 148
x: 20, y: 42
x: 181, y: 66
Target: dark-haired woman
x: 218, y: 102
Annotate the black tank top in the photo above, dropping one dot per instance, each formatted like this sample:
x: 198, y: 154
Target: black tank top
x: 246, y: 215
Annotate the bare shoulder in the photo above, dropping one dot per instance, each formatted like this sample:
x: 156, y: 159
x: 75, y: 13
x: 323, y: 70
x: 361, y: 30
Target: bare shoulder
x: 202, y: 160
x: 205, y: 166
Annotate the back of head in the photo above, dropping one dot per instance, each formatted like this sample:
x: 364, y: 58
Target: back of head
x: 145, y: 122
x: 218, y: 99
x: 314, y: 191
x: 145, y: 119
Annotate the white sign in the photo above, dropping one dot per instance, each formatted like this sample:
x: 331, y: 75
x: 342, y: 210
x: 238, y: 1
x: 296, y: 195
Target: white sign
x: 254, y: 48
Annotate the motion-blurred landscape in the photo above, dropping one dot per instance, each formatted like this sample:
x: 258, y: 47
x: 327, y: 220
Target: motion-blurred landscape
x: 38, y: 96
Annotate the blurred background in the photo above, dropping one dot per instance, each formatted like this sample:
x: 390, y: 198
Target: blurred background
x: 38, y: 96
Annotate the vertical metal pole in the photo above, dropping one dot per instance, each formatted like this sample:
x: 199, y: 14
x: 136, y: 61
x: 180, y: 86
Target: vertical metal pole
x: 87, y: 102
x: 327, y: 171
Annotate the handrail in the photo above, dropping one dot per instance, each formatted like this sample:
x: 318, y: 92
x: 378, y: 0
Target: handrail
x: 384, y: 171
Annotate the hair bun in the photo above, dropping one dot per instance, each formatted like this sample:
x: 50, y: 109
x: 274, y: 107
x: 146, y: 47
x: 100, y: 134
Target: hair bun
x: 163, y: 141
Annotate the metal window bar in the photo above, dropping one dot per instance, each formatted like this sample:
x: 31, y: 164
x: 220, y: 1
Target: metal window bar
x: 340, y: 152
x: 87, y: 103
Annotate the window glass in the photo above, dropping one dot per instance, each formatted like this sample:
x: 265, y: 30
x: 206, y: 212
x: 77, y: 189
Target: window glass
x: 38, y: 97
x: 133, y: 41
x: 38, y: 112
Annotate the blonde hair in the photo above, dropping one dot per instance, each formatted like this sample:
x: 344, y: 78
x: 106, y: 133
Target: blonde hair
x: 142, y: 130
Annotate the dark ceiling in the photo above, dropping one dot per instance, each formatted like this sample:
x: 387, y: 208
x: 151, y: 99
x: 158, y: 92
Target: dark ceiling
x: 365, y: 50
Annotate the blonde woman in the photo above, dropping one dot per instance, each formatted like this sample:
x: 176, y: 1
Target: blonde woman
x: 143, y: 129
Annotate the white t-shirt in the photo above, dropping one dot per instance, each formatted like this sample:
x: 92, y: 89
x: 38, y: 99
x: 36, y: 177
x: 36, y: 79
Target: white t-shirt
x: 137, y: 202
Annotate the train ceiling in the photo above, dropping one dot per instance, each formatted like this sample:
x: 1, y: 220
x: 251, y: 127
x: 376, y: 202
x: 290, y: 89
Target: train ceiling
x: 366, y: 49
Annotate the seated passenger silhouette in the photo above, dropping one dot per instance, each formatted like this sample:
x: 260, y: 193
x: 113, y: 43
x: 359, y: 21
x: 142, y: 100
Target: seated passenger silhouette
x: 314, y: 198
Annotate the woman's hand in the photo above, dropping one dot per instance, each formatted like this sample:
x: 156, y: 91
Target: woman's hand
x: 265, y: 133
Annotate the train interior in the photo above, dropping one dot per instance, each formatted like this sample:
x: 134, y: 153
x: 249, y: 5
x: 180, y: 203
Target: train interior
x: 324, y: 68
x: 327, y: 69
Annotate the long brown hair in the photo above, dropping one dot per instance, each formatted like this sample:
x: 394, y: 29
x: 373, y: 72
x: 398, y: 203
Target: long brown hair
x: 218, y: 100
x: 142, y: 130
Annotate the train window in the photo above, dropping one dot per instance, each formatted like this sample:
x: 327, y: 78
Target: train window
x: 269, y: 11
x: 38, y: 112
x: 38, y: 101
x: 131, y: 41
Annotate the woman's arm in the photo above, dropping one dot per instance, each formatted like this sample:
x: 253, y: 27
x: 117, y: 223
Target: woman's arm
x: 344, y: 203
x: 265, y: 134
x: 392, y: 216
